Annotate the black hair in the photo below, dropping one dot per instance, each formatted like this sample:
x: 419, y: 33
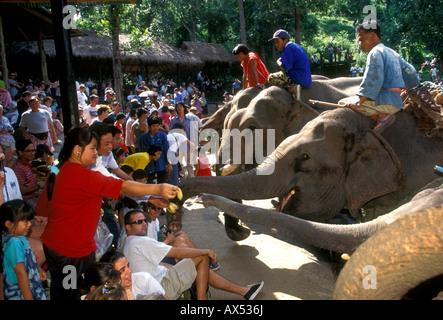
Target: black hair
x: 99, y: 273
x: 240, y: 48
x: 15, y: 211
x: 185, y: 109
x: 139, y: 174
x: 118, y: 152
x: 120, y: 115
x: 154, y: 120
x: 115, y: 130
x: 109, y: 121
x: 128, y: 217
x: 112, y: 255
x: 26, y: 94
x: 141, y: 112
x: 100, y: 129
x: 165, y: 109
x: 133, y: 113
x: 22, y: 144
x: 177, y: 126
x: 365, y: 26
x: 127, y: 169
x: 76, y: 137
x: 153, y: 149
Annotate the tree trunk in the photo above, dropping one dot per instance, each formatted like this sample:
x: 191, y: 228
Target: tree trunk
x: 4, y: 65
x: 116, y: 60
x: 242, y: 22
x: 296, y: 26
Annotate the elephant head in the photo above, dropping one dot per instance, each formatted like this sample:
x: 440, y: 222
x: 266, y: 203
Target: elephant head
x: 241, y: 100
x: 336, y: 161
x: 273, y: 111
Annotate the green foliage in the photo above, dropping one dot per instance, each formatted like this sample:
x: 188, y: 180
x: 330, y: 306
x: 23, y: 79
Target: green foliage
x: 411, y: 27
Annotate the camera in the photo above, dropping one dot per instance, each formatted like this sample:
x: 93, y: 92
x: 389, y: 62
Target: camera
x: 164, y: 229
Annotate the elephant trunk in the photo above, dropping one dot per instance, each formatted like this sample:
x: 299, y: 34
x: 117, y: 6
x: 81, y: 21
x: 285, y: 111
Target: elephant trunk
x: 248, y: 185
x: 338, y: 238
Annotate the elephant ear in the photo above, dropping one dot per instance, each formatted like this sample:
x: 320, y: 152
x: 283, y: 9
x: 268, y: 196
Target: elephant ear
x: 374, y: 171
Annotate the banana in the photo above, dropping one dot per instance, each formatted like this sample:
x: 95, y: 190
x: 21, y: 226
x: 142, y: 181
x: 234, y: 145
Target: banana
x: 180, y: 194
x: 172, y: 208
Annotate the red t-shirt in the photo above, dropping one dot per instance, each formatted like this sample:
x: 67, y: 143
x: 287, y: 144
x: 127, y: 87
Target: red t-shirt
x: 204, y: 168
x: 74, y: 210
x: 262, y: 72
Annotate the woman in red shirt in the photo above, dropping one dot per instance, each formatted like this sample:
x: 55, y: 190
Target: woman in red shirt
x: 72, y: 202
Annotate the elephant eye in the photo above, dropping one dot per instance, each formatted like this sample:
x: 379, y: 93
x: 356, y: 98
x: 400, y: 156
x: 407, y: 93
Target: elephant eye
x: 305, y: 156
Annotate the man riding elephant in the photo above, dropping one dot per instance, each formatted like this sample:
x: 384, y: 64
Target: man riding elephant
x: 294, y: 62
x: 386, y: 75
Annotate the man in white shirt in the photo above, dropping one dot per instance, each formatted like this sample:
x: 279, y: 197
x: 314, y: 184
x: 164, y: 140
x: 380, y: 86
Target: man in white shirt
x: 90, y: 111
x: 81, y: 96
x: 145, y: 254
x: 106, y: 159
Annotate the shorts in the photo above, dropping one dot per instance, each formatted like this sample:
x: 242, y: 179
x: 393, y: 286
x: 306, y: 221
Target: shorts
x: 280, y: 79
x: 179, y: 278
x: 369, y: 108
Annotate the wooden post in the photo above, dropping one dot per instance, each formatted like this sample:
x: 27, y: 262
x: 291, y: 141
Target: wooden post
x: 65, y: 67
x: 42, y: 54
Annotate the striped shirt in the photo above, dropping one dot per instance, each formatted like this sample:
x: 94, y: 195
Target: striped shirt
x: 25, y: 176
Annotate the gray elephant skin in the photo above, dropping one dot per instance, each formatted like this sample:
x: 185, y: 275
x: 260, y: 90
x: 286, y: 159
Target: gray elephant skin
x: 335, y: 162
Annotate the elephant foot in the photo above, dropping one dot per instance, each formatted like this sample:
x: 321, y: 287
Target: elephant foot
x: 234, y: 230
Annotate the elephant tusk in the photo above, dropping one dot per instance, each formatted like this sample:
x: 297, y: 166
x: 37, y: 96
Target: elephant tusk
x: 228, y: 169
x: 345, y: 256
x: 286, y: 199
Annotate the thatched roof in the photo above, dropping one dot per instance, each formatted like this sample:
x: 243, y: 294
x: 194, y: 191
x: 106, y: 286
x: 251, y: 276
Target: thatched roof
x: 92, y: 46
x: 212, y: 53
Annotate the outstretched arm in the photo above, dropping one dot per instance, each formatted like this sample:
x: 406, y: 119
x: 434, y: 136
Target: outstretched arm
x: 133, y: 188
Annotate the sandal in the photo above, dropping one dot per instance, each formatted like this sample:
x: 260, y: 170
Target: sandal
x: 382, y: 125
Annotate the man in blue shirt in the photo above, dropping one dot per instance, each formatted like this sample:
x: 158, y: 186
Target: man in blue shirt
x: 160, y: 168
x: 386, y: 74
x: 294, y: 62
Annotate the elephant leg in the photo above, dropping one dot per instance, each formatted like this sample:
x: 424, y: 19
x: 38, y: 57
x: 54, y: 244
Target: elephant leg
x: 235, y: 230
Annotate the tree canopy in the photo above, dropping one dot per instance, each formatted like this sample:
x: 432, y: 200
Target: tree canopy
x: 409, y: 26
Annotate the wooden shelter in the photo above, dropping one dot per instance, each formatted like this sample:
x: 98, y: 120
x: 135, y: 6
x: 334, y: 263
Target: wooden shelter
x: 210, y: 53
x: 92, y: 56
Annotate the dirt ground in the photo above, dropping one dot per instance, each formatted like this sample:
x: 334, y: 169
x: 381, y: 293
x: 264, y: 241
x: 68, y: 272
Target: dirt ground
x: 290, y: 270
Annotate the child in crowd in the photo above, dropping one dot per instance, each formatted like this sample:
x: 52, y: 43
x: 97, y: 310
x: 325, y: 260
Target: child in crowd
x: 140, y: 175
x: 22, y: 279
x: 203, y: 165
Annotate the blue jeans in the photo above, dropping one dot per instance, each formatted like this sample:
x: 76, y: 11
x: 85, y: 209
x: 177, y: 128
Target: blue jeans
x: 173, y: 175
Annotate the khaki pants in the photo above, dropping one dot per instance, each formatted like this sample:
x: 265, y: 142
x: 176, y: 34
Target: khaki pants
x: 369, y: 107
x: 281, y: 79
x: 179, y: 278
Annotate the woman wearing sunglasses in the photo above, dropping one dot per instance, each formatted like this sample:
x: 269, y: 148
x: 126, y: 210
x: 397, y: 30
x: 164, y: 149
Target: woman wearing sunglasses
x: 72, y: 201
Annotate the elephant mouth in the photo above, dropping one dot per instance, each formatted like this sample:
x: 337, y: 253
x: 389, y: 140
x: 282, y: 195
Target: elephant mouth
x: 285, y: 200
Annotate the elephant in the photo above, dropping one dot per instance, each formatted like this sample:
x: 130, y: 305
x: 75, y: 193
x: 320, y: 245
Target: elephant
x: 241, y: 100
x: 275, y: 108
x: 403, y: 248
x: 335, y: 162
x: 341, y: 238
x: 403, y: 260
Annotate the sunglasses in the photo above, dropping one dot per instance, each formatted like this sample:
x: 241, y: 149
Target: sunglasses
x: 139, y: 221
x: 155, y: 208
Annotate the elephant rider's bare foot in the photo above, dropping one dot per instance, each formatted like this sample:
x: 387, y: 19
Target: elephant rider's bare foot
x: 234, y: 230
x: 384, y: 121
